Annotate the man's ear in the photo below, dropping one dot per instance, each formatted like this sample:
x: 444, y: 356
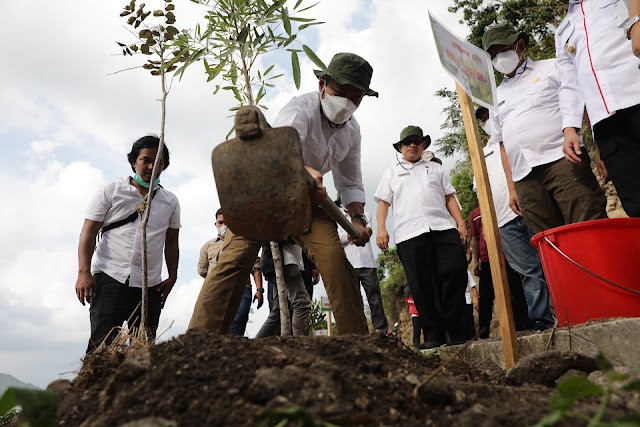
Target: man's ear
x: 321, y: 82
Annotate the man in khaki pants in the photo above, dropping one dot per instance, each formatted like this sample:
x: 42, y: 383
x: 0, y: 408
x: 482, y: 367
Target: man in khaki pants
x: 330, y: 137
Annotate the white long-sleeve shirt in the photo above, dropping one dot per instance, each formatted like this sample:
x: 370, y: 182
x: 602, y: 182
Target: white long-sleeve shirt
x: 528, y: 119
x: 324, y: 148
x: 595, y: 63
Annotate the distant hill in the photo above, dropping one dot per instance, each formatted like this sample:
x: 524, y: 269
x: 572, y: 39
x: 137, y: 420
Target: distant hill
x: 7, y: 381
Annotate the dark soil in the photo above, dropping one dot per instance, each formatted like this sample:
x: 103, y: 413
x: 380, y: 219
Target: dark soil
x: 204, y: 379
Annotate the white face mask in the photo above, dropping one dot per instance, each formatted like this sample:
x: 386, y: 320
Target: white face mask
x: 486, y: 127
x: 222, y: 230
x: 337, y: 108
x: 506, y: 62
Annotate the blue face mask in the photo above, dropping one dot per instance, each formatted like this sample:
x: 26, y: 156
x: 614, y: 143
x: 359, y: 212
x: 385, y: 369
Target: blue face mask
x: 137, y: 178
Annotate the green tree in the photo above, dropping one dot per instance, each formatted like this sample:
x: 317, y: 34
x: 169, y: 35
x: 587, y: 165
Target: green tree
x: 155, y: 38
x: 393, y: 282
x: 236, y: 34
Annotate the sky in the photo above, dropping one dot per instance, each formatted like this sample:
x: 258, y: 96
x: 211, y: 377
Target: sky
x: 67, y: 124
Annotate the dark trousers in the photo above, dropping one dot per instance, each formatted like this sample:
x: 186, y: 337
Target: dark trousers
x: 618, y: 138
x: 418, y: 330
x: 239, y: 324
x: 368, y: 278
x: 560, y: 193
x: 436, y: 267
x: 487, y: 296
x: 116, y: 302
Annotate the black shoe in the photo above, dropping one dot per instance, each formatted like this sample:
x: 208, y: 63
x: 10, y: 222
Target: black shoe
x: 429, y: 344
x: 539, y: 325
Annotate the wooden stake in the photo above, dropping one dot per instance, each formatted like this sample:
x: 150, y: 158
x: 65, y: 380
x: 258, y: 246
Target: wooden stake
x: 329, y: 327
x: 491, y: 235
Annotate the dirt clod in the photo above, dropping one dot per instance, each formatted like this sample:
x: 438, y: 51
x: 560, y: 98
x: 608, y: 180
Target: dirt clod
x: 208, y: 379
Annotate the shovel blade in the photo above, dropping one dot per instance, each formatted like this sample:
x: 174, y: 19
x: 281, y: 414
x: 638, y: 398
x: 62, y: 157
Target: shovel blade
x: 261, y: 185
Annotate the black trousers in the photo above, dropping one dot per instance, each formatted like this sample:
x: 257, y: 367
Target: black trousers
x: 116, y: 302
x: 486, y: 297
x: 418, y: 330
x: 436, y: 267
x: 618, y: 138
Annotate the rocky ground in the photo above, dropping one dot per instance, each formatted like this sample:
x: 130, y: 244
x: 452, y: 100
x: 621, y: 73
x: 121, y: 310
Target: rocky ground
x: 203, y: 379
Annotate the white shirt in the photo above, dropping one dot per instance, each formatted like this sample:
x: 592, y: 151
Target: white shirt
x: 498, y: 182
x: 293, y: 255
x: 119, y: 252
x: 604, y: 72
x: 358, y: 256
x: 416, y: 193
x: 326, y: 149
x: 471, y: 283
x: 528, y: 120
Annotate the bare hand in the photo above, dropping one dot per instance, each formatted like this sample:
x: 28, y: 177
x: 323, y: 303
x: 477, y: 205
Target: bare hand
x: 85, y: 288
x: 258, y: 297
x: 315, y: 276
x: 602, y: 171
x: 165, y: 288
x: 514, y: 202
x: 571, y: 147
x: 363, y: 235
x: 464, y: 235
x: 320, y: 193
x: 635, y: 39
x: 382, y: 239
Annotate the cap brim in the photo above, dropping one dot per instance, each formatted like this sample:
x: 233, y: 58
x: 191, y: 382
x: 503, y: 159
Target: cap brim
x: 367, y: 91
x: 506, y: 41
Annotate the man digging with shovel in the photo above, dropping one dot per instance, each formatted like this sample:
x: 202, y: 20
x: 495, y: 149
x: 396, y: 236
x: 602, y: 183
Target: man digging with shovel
x: 330, y: 139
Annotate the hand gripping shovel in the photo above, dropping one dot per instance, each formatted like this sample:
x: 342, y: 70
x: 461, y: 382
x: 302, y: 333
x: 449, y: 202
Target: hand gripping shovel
x: 262, y: 183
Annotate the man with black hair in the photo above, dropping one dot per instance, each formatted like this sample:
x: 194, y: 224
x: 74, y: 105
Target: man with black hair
x: 331, y: 142
x: 209, y: 255
x: 545, y: 188
x: 110, y: 279
x: 515, y: 236
x: 362, y: 259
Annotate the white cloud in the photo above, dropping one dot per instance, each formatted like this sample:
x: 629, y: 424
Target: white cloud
x: 67, y: 127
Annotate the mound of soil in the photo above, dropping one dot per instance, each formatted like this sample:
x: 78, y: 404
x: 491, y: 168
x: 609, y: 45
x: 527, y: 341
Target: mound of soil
x: 205, y: 379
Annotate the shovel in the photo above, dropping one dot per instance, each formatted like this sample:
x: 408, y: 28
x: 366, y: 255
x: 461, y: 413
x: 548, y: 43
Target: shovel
x: 262, y: 183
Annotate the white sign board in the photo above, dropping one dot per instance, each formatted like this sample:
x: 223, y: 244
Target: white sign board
x: 321, y: 333
x: 469, y: 65
x: 325, y: 305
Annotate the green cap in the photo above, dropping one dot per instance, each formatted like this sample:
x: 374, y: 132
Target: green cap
x: 411, y: 131
x: 349, y: 68
x: 502, y: 34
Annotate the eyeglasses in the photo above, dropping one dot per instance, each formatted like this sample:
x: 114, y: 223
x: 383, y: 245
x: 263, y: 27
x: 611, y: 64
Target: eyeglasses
x: 408, y: 142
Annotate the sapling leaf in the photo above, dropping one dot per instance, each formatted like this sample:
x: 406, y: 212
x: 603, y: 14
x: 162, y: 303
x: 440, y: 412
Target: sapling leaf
x: 295, y: 68
x: 572, y: 389
x: 313, y: 57
x: 603, y: 363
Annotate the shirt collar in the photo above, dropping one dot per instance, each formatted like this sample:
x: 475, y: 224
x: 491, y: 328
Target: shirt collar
x: 526, y: 65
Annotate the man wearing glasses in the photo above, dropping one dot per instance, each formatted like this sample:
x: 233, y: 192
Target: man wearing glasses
x: 431, y: 236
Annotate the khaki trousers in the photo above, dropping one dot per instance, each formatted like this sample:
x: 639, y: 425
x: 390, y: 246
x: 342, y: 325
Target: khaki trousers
x: 222, y: 290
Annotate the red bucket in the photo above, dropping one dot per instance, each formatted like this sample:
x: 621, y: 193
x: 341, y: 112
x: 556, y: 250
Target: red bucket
x: 592, y: 269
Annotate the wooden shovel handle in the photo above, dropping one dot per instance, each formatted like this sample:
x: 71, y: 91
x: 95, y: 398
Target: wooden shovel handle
x: 332, y: 210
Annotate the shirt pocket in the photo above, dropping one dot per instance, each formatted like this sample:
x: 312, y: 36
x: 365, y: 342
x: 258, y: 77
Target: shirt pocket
x: 564, y: 34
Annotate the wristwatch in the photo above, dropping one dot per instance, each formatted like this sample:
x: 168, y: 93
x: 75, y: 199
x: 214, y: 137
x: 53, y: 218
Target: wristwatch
x: 629, y: 24
x: 361, y: 217
x: 261, y: 290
